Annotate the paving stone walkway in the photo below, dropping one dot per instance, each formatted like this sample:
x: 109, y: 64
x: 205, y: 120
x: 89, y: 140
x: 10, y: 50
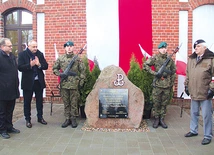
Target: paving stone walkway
x: 51, y: 139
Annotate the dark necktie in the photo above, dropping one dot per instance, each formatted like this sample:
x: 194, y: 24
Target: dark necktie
x: 198, y: 58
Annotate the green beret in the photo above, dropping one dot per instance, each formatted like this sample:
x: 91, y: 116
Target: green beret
x: 162, y: 45
x: 69, y: 43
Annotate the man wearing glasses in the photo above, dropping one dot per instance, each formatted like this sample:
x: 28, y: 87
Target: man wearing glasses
x: 9, y: 90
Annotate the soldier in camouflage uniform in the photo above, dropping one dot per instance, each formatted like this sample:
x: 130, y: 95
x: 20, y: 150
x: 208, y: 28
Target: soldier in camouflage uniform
x: 162, y: 87
x: 69, y: 87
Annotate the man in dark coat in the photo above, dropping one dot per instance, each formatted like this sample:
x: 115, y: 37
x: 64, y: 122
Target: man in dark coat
x: 31, y: 63
x: 9, y: 88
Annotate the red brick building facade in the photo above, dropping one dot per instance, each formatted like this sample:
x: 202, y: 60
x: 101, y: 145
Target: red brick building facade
x: 66, y: 20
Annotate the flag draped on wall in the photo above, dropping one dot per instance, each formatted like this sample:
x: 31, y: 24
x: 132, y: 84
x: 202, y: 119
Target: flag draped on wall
x: 116, y: 28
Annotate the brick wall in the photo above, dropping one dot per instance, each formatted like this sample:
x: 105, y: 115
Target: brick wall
x: 165, y: 18
x: 66, y: 20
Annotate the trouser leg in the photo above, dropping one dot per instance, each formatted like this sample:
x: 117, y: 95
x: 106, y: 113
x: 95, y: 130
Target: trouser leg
x: 156, y: 93
x: 195, y: 107
x: 9, y: 113
x: 206, y: 107
x: 165, y: 98
x: 65, y: 94
x: 3, y: 105
x: 74, y: 98
x: 27, y: 94
x: 39, y: 99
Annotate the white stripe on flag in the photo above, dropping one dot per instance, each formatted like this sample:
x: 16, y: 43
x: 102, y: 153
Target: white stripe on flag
x: 103, y: 31
x: 56, y: 52
x: 145, y: 54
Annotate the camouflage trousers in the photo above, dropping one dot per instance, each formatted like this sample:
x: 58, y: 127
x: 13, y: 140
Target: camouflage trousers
x: 70, y: 99
x: 161, y: 98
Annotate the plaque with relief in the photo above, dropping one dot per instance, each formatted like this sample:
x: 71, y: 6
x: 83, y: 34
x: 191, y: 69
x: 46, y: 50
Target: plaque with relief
x: 113, y: 103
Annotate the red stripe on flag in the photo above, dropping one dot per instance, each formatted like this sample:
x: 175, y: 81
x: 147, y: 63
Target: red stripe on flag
x: 91, y: 64
x: 135, y: 27
x: 181, y: 68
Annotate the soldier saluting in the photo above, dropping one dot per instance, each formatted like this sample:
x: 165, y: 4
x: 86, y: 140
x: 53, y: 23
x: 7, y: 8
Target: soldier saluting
x: 163, y: 83
x: 70, y: 83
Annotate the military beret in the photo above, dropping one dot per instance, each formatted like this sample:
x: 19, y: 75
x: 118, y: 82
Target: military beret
x: 69, y: 43
x: 162, y: 45
x: 198, y: 42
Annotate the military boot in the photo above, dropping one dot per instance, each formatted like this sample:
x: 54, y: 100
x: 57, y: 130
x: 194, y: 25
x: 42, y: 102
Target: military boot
x: 73, y: 122
x: 162, y: 123
x: 156, y: 122
x: 66, y: 123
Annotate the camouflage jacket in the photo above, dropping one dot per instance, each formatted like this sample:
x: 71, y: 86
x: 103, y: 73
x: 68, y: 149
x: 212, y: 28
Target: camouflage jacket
x: 72, y: 82
x: 157, y: 61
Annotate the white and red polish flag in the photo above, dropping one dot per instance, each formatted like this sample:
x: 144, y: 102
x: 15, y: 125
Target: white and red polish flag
x: 145, y: 54
x: 56, y: 57
x: 181, y: 62
x: 180, y: 65
x: 116, y: 28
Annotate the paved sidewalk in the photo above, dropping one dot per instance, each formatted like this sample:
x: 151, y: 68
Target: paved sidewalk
x: 54, y: 140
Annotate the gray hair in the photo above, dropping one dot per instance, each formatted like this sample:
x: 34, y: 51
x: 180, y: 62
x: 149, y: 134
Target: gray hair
x: 30, y: 42
x: 2, y: 41
x: 204, y: 44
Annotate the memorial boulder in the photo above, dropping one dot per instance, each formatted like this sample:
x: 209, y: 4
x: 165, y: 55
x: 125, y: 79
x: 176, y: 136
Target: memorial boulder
x: 114, y: 102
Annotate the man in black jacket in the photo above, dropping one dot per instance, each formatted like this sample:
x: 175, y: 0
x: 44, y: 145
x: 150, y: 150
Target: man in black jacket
x: 31, y: 63
x: 9, y: 88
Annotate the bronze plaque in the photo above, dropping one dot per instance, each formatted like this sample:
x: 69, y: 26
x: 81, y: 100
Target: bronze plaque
x: 113, y: 103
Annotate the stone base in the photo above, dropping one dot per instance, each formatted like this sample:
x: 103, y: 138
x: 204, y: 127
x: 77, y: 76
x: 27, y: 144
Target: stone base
x: 142, y: 128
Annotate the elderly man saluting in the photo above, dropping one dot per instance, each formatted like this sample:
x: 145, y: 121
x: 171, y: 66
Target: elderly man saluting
x: 199, y: 86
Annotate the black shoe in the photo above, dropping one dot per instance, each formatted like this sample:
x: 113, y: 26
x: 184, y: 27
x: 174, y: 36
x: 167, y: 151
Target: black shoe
x: 156, y: 122
x: 42, y: 121
x: 205, y: 141
x: 66, y: 123
x: 163, y: 124
x: 13, y: 130
x: 5, y: 135
x: 190, y: 134
x: 28, y: 124
x: 73, y: 122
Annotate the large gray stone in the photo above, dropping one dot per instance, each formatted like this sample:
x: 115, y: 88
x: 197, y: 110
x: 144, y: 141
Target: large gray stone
x: 135, y: 102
